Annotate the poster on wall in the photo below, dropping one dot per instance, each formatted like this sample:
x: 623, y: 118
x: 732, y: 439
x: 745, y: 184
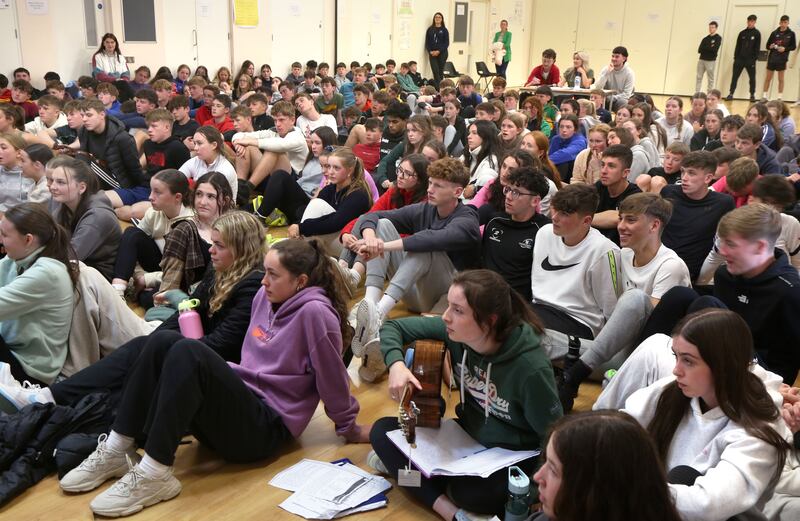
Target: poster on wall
x: 405, y: 8
x: 37, y: 7
x: 245, y: 13
x: 5, y: 4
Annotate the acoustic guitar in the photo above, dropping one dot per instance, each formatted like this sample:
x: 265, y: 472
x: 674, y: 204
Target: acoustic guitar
x: 422, y: 408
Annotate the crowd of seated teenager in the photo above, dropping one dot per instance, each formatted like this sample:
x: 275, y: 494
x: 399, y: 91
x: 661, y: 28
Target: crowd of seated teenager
x: 549, y: 239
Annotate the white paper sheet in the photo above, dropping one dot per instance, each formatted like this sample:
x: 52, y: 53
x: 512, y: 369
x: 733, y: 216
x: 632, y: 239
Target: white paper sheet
x: 450, y: 451
x: 324, y: 490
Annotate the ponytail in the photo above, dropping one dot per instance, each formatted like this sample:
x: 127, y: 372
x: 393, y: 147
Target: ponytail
x: 308, y: 257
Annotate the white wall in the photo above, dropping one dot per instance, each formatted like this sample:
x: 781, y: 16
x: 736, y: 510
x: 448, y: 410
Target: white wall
x: 661, y: 35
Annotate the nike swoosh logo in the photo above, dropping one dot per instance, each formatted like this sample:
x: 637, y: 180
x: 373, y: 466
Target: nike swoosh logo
x: 550, y: 267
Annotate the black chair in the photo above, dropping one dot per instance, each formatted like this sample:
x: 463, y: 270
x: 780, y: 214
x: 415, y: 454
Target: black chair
x: 483, y: 74
x: 450, y: 71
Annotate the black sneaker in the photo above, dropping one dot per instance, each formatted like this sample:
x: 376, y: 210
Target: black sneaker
x: 729, y: 97
x: 752, y: 98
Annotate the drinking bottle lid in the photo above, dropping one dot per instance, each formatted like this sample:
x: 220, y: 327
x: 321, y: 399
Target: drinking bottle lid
x: 518, y: 481
x: 188, y: 304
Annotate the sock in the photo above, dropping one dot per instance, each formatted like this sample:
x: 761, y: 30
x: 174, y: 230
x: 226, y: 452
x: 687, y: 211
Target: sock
x: 45, y: 396
x: 386, y: 304
x: 355, y: 276
x: 120, y: 288
x: 765, y: 95
x: 373, y: 293
x: 116, y: 442
x: 151, y: 468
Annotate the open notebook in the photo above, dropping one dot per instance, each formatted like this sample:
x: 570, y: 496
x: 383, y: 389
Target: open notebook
x: 450, y: 451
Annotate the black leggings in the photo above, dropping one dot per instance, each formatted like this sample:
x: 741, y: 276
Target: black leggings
x: 136, y: 246
x: 175, y: 385
x: 17, y: 371
x: 475, y: 494
x: 107, y: 374
x: 281, y: 191
x: 178, y: 385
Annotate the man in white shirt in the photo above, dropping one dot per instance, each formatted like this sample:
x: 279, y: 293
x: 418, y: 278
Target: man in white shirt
x: 648, y: 270
x: 265, y: 151
x: 617, y: 76
x: 575, y: 275
x: 310, y: 119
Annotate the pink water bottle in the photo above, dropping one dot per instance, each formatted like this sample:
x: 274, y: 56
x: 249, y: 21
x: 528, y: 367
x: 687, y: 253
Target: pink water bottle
x: 189, y: 319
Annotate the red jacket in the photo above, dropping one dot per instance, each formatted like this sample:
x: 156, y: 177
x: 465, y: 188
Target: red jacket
x: 203, y: 116
x: 30, y: 108
x: 370, y: 155
x: 226, y: 125
x: 552, y: 79
x: 383, y: 203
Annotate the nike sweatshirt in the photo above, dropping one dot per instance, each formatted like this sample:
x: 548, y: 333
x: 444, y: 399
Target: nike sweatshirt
x: 581, y: 280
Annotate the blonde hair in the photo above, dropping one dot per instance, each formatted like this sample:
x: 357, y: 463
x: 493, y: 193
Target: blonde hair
x: 584, y: 56
x: 752, y: 222
x: 357, y: 180
x: 243, y: 234
x: 587, y: 106
x: 741, y: 172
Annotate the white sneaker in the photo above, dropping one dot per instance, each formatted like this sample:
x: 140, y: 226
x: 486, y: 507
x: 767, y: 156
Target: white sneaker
x: 368, y: 322
x: 99, y: 466
x: 376, y: 464
x: 372, y: 366
x: 14, y: 396
x: 5, y: 375
x: 133, y: 492
x: 347, y: 277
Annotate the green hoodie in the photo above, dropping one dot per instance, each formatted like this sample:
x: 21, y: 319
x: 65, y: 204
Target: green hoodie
x: 524, y: 402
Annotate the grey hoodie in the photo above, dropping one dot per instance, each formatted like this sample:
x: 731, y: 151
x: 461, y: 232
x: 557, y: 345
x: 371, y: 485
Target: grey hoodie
x: 96, y: 235
x: 13, y: 188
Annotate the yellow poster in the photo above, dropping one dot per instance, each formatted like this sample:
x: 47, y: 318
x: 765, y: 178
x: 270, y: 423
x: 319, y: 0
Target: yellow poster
x: 245, y: 13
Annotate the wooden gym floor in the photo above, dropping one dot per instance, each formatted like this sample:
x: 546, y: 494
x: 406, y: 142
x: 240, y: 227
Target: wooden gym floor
x: 213, y: 489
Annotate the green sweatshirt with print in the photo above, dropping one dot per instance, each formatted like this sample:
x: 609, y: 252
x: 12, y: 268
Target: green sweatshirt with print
x: 523, y: 401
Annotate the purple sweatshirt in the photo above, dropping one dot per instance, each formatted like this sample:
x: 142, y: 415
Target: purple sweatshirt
x: 291, y: 358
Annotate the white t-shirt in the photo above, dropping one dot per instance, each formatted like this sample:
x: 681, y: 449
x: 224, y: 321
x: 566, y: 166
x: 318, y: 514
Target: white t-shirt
x: 581, y: 280
x: 196, y: 167
x: 658, y: 276
x: 307, y: 126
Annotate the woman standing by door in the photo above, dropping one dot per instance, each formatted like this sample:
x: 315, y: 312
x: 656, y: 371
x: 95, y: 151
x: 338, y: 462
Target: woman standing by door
x: 503, y: 36
x: 437, y: 40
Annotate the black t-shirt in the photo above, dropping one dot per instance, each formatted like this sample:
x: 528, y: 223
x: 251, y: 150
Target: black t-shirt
x: 612, y: 203
x: 167, y: 154
x: 263, y: 122
x: 659, y: 171
x: 508, y: 249
x: 181, y: 132
x: 693, y: 224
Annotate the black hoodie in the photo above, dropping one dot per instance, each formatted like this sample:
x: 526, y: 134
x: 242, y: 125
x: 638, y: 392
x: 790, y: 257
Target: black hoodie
x: 769, y: 303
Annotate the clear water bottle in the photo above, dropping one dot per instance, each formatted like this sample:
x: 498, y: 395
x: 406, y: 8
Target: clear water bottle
x: 519, y: 497
x: 577, y: 81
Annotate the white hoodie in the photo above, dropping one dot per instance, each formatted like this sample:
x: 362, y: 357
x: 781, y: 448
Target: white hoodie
x: 736, y: 468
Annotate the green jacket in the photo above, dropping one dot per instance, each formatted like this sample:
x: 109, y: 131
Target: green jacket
x: 407, y: 83
x: 36, y: 313
x: 506, y: 44
x: 523, y: 399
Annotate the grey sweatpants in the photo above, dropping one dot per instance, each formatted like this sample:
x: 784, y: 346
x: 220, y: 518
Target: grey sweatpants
x: 417, y: 278
x: 705, y: 67
x: 618, y: 336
